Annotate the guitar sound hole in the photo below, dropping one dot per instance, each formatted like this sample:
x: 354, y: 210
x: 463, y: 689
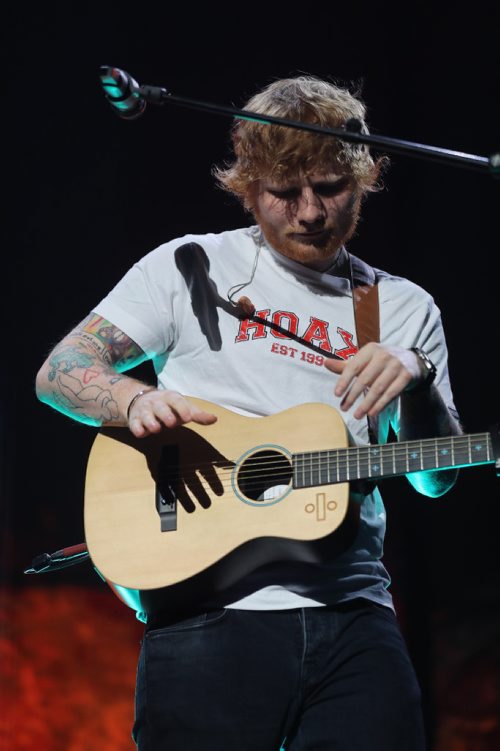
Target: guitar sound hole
x: 265, y: 475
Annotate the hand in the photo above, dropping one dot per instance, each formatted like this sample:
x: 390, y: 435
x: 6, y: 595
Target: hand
x: 376, y: 375
x: 156, y: 409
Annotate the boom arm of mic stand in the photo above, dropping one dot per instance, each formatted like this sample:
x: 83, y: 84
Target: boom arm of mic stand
x: 491, y: 165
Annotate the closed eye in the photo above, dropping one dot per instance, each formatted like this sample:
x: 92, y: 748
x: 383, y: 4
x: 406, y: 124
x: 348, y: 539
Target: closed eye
x: 325, y: 189
x: 289, y: 194
x: 329, y: 189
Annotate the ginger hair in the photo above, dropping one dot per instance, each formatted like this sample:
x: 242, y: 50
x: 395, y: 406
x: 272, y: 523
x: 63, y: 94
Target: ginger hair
x: 283, y: 153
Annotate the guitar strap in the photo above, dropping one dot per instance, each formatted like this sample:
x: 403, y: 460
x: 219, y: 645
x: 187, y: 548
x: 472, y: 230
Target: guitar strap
x: 364, y: 286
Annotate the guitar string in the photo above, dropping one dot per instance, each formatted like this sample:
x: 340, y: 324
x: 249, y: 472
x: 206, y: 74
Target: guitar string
x: 347, y: 456
x: 255, y: 475
x: 352, y: 454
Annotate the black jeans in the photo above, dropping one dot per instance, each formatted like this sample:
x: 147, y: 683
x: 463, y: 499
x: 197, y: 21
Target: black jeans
x: 326, y: 678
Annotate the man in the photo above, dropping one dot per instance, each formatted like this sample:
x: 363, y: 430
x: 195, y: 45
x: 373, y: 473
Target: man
x: 309, y: 652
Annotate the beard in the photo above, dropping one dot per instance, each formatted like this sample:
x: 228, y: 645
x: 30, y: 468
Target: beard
x: 322, y: 245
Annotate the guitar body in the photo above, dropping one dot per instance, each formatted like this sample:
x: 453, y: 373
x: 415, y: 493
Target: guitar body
x: 198, y: 507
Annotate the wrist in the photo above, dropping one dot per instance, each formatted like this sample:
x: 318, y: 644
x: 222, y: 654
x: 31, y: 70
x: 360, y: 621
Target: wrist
x: 428, y: 372
x: 136, y: 397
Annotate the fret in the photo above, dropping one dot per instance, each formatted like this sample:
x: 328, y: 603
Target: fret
x: 481, y: 449
x: 295, y: 470
x: 313, y: 480
x: 376, y: 464
x: 347, y: 464
x: 364, y: 462
x: 352, y: 463
x: 323, y: 467
x: 343, y: 465
x: 444, y: 456
x: 414, y: 461
x: 428, y: 454
x: 461, y: 452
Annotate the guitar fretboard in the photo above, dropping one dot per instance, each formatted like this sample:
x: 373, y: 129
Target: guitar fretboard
x: 389, y: 459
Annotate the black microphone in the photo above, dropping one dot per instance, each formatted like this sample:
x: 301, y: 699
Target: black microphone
x: 127, y: 98
x: 122, y: 92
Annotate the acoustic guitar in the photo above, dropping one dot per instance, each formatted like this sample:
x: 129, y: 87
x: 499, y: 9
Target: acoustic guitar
x: 205, y: 505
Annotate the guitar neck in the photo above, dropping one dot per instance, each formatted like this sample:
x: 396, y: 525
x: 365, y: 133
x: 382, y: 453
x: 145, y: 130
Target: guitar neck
x: 390, y: 459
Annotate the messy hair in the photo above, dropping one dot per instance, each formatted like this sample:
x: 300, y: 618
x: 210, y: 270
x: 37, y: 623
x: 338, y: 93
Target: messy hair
x: 280, y: 152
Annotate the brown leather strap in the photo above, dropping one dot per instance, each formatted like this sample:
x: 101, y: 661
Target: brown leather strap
x: 366, y: 316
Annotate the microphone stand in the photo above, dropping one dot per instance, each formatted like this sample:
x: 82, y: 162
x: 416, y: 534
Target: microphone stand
x: 351, y: 132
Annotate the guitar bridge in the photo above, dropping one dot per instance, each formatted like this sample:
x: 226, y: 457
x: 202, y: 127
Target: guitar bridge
x: 167, y: 481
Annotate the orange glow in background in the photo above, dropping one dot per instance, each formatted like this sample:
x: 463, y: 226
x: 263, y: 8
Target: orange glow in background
x: 68, y: 657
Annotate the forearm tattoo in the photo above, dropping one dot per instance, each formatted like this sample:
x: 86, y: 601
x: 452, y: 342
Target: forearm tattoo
x: 82, y: 373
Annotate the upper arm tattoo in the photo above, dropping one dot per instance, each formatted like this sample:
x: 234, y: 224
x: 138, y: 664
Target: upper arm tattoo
x: 116, y: 348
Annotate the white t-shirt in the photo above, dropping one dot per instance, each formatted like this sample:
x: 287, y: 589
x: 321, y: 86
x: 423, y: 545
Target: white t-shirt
x: 174, y: 304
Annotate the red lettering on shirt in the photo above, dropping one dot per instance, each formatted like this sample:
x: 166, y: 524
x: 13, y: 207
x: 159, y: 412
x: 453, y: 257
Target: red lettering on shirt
x: 350, y: 349
x: 257, y: 330
x: 293, y: 323
x: 317, y: 331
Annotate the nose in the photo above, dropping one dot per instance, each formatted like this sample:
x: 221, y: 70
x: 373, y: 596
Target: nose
x: 310, y: 208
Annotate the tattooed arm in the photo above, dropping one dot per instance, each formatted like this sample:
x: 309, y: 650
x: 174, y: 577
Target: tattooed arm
x: 82, y: 375
x: 83, y: 378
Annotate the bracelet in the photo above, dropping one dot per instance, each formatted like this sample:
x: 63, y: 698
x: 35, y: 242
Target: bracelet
x: 428, y: 369
x: 135, y: 398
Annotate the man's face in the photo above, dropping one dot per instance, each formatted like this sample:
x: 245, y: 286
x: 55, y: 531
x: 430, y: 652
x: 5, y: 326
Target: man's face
x: 308, y: 218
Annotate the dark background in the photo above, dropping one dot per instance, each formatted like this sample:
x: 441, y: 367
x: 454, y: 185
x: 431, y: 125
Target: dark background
x: 88, y: 194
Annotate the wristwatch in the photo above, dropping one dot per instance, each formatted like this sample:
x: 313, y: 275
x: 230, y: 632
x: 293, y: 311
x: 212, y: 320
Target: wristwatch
x: 427, y: 368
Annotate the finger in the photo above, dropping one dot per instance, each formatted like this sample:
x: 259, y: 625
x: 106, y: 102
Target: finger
x: 371, y: 376
x: 379, y: 395
x: 180, y: 405
x: 187, y: 412
x: 201, y: 417
x: 143, y: 425
x: 334, y: 365
x: 168, y: 415
x: 150, y: 413
x: 387, y: 397
x: 351, y: 370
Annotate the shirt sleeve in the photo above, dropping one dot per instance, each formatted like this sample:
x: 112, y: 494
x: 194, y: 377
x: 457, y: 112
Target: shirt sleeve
x: 142, y: 302
x: 411, y: 318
